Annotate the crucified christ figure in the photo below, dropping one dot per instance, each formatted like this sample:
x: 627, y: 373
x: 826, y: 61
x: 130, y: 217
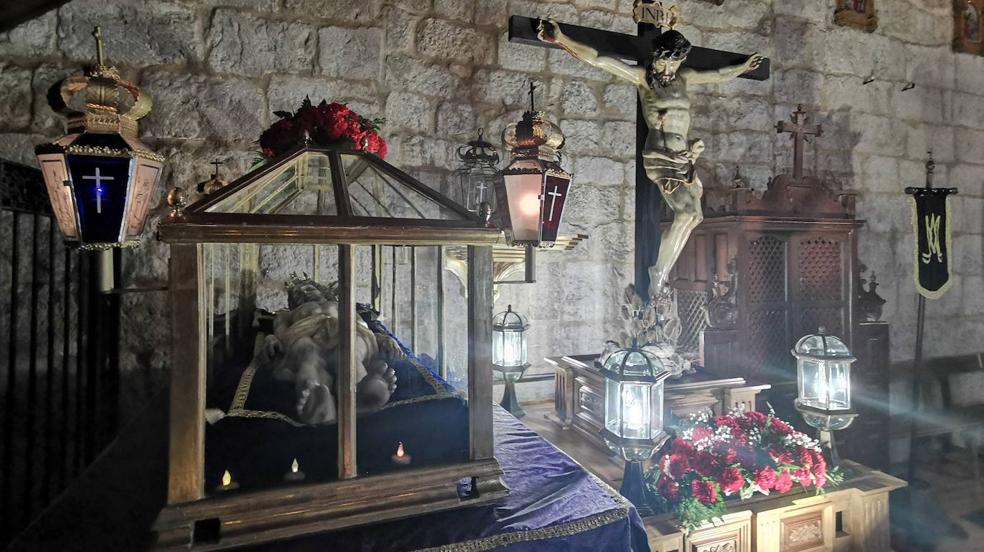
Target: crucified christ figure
x: 669, y: 155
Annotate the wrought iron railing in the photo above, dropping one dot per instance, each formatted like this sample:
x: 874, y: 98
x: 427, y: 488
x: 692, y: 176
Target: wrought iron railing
x: 59, y: 363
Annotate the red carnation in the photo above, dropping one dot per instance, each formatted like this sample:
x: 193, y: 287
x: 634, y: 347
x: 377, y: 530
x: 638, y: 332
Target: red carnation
x: 675, y: 465
x: 669, y: 489
x: 781, y: 426
x: 701, y: 433
x: 681, y: 446
x: 731, y: 480
x: 280, y: 137
x: 806, y: 457
x: 784, y: 482
x: 730, y: 456
x: 704, y: 463
x: 765, y: 478
x: 803, y: 476
x: 704, y: 491
x: 755, y: 416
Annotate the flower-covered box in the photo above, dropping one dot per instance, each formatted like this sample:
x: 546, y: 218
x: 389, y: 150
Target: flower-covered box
x: 735, y: 456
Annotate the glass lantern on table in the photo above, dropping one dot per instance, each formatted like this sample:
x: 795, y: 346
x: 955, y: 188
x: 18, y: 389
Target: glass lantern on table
x: 634, y: 414
x: 509, y: 355
x: 823, y: 376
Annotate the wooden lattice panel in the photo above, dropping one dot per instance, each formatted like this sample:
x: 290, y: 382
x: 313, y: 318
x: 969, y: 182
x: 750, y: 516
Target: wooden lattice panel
x: 821, y: 273
x: 767, y: 346
x: 766, y: 270
x: 692, y: 308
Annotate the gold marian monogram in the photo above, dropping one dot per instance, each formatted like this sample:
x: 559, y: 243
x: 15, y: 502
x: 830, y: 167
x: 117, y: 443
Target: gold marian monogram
x: 655, y: 14
x: 932, y: 239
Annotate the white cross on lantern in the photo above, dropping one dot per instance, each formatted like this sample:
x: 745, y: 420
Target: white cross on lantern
x: 99, y: 178
x: 553, y: 201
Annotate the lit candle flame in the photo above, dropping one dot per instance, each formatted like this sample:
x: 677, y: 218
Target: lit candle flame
x: 226, y: 478
x: 399, y: 451
x: 293, y: 466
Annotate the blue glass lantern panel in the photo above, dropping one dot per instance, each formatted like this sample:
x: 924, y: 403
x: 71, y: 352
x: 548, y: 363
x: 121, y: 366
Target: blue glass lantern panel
x: 100, y: 185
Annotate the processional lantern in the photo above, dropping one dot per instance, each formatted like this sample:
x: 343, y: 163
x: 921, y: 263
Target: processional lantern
x: 533, y: 189
x: 100, y: 177
x: 509, y: 354
x: 476, y: 177
x: 634, y: 413
x: 823, y: 376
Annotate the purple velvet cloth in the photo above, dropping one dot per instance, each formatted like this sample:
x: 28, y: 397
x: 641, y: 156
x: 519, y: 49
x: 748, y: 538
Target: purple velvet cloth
x: 553, y: 505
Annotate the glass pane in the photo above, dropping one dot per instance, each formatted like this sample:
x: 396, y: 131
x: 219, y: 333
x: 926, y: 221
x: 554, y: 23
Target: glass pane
x: 301, y: 186
x: 840, y: 386
x: 635, y: 411
x: 377, y: 194
x: 812, y: 384
x: 613, y: 420
x: 657, y: 409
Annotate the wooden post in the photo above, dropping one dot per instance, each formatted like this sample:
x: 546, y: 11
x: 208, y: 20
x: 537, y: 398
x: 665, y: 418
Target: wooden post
x: 186, y: 473
x: 480, y: 351
x: 441, y: 368
x: 347, y: 468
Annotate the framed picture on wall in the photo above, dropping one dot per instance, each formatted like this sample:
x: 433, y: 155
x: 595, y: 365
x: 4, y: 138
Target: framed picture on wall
x: 856, y: 13
x: 967, y: 26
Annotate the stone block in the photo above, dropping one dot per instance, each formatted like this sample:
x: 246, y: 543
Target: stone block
x: 969, y: 73
x: 350, y: 53
x: 930, y: 27
x: 620, y: 100
x: 32, y: 38
x: 493, y: 13
x: 400, y: 29
x: 741, y: 41
x: 501, y: 87
x: 412, y: 75
x: 818, y: 13
x: 968, y: 178
x: 973, y: 296
x: 797, y: 86
x: 521, y: 57
x: 46, y: 76
x: 618, y: 139
x: 923, y: 138
x: 285, y: 92
x: 968, y: 250
x: 598, y: 171
x: 885, y: 213
x: 139, y: 34
x: 343, y: 11
x: 848, y: 92
x: 729, y: 113
x: 738, y: 147
x: 798, y: 43
x: 19, y: 147
x: 578, y: 99
x: 735, y: 14
x: 562, y: 13
x: 968, y: 110
x: 455, y: 42
x: 560, y: 62
x: 880, y: 174
x: 970, y: 145
x: 455, y: 9
x: 969, y: 215
x: 15, y: 89
x: 880, y: 135
x: 458, y: 121
x: 931, y: 66
x: 609, y: 21
x: 196, y: 107
x: 246, y: 45
x: 591, y: 206
x: 842, y: 54
x: 409, y: 111
x: 582, y: 137
x: 422, y: 151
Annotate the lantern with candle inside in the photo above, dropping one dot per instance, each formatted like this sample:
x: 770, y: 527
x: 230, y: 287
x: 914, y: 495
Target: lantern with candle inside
x: 100, y: 177
x: 477, y: 175
x: 509, y: 355
x: 823, y: 375
x: 634, y: 414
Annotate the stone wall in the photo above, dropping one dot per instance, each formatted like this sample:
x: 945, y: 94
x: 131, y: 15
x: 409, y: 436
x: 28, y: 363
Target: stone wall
x: 440, y: 69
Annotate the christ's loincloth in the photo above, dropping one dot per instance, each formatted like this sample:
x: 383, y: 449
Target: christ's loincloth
x: 670, y: 169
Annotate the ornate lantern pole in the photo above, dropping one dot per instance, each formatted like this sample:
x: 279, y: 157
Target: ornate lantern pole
x: 100, y: 177
x: 509, y: 355
x: 823, y: 376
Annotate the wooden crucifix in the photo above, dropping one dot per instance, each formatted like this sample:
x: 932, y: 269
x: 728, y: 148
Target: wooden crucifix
x: 652, y: 60
x: 801, y: 127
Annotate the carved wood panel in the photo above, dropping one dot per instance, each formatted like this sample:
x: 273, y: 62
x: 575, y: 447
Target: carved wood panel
x: 820, y: 271
x: 765, y: 270
x: 801, y: 532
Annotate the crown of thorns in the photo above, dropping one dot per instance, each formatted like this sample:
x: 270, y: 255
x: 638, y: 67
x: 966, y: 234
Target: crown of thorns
x: 671, y: 45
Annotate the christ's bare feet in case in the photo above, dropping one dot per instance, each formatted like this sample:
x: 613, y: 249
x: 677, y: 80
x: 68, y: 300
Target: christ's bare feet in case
x: 377, y: 387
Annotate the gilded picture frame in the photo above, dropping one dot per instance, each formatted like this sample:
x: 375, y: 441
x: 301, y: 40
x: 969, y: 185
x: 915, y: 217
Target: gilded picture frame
x: 968, y: 26
x: 856, y: 13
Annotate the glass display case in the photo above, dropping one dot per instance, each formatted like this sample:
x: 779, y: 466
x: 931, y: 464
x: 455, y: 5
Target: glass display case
x: 310, y: 341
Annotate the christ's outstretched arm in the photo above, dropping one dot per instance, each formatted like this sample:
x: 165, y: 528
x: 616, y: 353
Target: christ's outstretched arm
x: 549, y: 31
x: 724, y: 74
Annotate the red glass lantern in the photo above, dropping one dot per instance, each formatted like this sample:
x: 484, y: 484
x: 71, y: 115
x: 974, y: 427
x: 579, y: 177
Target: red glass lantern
x: 533, y: 189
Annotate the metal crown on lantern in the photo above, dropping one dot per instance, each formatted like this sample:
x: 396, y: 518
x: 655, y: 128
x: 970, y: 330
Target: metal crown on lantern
x: 100, y: 177
x: 533, y: 189
x: 478, y: 173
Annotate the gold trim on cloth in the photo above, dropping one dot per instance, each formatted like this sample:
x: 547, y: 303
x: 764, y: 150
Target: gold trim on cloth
x: 238, y: 407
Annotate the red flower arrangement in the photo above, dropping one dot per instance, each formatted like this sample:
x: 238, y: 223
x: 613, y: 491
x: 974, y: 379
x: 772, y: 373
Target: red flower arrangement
x: 325, y: 124
x: 741, y: 454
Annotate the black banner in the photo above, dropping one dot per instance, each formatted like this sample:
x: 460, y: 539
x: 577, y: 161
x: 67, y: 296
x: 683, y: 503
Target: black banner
x: 931, y: 224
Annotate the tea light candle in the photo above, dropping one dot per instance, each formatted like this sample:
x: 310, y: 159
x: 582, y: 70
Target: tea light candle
x: 295, y: 473
x: 227, y: 483
x: 401, y: 457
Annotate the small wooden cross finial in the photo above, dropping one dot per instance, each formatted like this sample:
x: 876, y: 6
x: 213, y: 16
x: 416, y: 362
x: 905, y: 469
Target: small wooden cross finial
x: 801, y: 128
x: 532, y: 88
x: 216, y: 164
x: 97, y: 34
